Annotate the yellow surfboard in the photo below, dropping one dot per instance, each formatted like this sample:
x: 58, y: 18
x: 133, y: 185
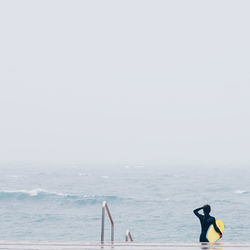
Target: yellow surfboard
x: 212, y: 235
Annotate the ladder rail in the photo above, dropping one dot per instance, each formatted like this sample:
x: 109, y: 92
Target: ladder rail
x: 106, y: 208
x: 128, y: 236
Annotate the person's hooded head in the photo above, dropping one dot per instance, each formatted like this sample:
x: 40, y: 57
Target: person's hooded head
x: 206, y: 209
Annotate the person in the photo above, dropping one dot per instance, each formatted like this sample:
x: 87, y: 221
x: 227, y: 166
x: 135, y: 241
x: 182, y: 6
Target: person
x: 206, y: 221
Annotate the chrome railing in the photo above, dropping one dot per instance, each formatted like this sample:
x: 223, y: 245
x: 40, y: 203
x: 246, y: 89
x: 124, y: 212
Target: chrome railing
x: 128, y: 236
x: 105, y: 207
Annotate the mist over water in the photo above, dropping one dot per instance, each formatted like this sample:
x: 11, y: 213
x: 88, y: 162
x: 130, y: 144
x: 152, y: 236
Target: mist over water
x: 154, y: 202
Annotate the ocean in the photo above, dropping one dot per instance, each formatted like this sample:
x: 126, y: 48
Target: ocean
x: 64, y: 202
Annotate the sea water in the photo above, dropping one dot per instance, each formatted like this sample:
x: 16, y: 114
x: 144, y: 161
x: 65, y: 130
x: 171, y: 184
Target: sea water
x: 63, y: 202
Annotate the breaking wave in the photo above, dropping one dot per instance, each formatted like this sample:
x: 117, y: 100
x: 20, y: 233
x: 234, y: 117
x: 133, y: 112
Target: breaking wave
x: 44, y: 195
x: 241, y: 192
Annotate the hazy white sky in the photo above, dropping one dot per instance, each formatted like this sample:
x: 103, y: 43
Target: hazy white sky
x: 125, y: 82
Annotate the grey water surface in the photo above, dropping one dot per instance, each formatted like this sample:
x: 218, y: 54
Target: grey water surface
x: 154, y: 202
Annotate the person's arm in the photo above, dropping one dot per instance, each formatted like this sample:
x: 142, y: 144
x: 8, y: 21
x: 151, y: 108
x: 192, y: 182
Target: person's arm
x: 216, y: 228
x: 196, y: 212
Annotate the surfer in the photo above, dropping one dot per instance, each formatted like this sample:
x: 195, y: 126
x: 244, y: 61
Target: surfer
x: 206, y: 221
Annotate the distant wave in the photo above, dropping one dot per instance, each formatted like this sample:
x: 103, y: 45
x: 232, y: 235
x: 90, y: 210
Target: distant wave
x: 241, y: 192
x: 137, y: 166
x: 84, y: 174
x: 22, y: 193
x: 105, y: 176
x: 44, y: 195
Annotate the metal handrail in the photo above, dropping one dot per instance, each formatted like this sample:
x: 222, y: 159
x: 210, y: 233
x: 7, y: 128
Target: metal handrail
x: 128, y: 236
x: 105, y: 207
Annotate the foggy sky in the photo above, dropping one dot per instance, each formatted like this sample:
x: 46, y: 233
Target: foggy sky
x: 125, y: 82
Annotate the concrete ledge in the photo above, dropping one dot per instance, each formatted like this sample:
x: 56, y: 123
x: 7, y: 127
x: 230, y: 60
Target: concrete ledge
x: 54, y: 245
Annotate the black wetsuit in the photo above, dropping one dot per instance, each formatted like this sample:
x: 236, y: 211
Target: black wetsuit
x: 206, y: 221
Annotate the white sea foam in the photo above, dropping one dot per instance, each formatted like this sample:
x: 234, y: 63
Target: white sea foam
x: 240, y: 191
x: 139, y: 166
x: 43, y: 194
x: 33, y: 192
x: 84, y: 174
x: 12, y: 176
